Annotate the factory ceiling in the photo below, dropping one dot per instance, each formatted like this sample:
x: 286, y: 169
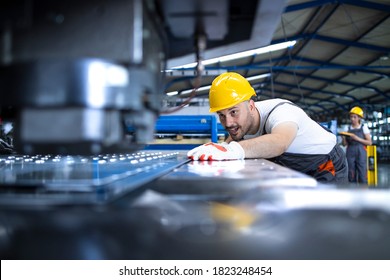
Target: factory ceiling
x: 341, y: 59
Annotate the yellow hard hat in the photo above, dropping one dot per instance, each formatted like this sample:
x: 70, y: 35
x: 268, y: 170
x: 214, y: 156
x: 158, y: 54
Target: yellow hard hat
x: 229, y: 89
x: 357, y: 110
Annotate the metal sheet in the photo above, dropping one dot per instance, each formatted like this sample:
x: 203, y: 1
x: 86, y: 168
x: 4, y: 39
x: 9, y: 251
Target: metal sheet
x: 77, y: 179
x: 344, y: 225
x: 229, y: 178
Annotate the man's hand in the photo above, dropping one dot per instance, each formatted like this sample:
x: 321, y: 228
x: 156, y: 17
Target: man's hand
x: 212, y: 151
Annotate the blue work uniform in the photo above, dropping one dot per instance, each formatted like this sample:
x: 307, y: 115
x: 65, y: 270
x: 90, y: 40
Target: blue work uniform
x: 356, y: 157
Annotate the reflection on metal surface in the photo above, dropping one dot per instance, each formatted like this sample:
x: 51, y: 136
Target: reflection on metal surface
x: 216, y: 168
x: 256, y: 169
x: 239, y: 217
x: 337, y: 199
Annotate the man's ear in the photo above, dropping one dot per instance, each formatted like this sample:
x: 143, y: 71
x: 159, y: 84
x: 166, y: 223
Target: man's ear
x: 252, y: 105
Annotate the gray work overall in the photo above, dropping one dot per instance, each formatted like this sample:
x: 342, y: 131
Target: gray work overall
x: 328, y: 168
x: 357, y: 157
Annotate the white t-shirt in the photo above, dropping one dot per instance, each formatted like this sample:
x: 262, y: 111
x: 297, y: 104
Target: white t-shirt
x: 311, y: 138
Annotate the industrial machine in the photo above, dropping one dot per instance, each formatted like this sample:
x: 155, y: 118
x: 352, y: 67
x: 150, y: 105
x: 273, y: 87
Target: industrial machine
x: 82, y: 83
x: 75, y: 75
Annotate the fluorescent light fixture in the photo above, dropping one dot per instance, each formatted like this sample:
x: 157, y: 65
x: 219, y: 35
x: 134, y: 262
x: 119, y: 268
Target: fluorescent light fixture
x: 252, y: 78
x: 197, y: 90
x: 192, y: 72
x: 270, y: 48
x: 172, y: 93
x: 258, y: 77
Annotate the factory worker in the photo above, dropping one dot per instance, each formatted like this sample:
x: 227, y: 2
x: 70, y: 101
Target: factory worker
x: 356, y: 144
x: 274, y: 129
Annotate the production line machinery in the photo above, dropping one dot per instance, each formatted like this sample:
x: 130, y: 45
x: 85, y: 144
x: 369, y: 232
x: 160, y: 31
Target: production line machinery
x: 75, y: 76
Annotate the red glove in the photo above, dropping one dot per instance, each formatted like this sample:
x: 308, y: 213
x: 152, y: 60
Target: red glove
x: 212, y: 151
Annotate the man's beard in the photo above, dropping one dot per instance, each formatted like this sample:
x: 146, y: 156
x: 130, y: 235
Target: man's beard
x: 239, y: 136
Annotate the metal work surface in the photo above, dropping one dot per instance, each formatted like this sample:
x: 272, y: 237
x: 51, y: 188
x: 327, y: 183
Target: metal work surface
x: 229, y: 178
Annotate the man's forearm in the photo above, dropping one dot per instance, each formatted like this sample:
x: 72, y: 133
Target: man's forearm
x: 266, y: 146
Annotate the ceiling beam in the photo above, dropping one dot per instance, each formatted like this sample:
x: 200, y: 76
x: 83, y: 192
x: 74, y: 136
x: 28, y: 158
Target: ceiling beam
x: 316, y: 36
x: 319, y: 3
x: 384, y: 94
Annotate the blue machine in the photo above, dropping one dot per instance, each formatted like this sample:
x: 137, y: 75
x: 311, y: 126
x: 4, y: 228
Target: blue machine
x: 199, y: 125
x: 331, y: 125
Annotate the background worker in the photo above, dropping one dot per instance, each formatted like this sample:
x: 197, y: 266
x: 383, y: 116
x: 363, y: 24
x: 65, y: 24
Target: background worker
x: 356, y: 147
x: 274, y: 129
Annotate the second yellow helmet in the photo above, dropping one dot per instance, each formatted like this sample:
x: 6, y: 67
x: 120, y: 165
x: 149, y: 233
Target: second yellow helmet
x: 229, y: 89
x: 357, y: 110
